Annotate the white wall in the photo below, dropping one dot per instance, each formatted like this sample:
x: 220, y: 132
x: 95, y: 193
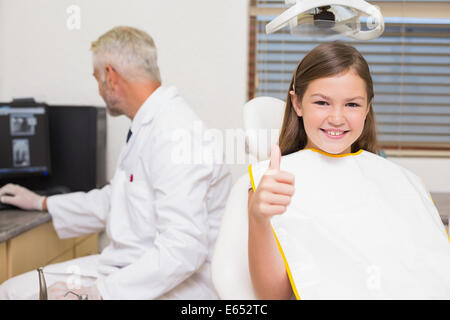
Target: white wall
x: 202, y: 48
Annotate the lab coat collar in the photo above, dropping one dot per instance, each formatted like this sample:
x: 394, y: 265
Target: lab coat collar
x: 149, y: 108
x: 145, y: 114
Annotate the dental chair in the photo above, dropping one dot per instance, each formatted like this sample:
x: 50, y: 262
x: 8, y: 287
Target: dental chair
x: 263, y: 118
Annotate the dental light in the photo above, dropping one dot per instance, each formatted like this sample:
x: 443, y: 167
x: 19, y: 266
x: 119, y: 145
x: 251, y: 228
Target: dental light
x: 330, y: 17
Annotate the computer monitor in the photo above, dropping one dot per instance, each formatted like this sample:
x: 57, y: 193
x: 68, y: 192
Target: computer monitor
x: 24, y: 141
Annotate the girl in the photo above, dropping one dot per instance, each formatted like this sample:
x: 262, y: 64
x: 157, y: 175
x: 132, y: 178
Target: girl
x: 331, y: 219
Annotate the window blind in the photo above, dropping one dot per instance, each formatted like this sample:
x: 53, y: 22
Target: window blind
x: 410, y: 67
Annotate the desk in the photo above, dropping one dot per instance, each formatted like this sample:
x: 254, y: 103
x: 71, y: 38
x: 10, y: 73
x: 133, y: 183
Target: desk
x: 28, y: 240
x: 442, y: 203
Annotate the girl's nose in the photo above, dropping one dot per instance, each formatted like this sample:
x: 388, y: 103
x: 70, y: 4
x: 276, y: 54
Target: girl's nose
x: 336, y: 115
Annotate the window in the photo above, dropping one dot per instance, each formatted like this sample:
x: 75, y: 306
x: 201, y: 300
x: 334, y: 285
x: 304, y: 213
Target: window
x: 410, y: 66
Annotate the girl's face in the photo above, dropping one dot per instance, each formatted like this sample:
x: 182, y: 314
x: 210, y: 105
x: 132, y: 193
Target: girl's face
x: 334, y: 110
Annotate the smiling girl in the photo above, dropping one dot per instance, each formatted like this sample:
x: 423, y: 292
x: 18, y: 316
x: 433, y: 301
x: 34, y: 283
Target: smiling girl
x: 328, y: 217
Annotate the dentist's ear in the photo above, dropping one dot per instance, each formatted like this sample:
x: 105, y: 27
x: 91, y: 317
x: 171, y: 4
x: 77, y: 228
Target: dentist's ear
x: 111, y: 76
x: 296, y: 103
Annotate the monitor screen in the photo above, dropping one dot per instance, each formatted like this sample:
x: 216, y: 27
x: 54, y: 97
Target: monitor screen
x: 24, y: 141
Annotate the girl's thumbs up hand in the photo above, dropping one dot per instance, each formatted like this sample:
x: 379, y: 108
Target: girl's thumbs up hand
x: 275, y: 158
x: 274, y: 191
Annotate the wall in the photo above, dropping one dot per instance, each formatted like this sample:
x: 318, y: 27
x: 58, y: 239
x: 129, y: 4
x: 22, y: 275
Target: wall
x: 202, y: 48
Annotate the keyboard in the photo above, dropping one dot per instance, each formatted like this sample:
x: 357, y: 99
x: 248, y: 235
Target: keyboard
x: 51, y: 191
x: 6, y: 206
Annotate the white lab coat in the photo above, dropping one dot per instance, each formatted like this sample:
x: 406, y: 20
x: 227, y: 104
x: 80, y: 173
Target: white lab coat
x: 162, y: 216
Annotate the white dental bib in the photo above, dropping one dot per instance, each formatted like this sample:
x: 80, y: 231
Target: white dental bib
x: 359, y: 227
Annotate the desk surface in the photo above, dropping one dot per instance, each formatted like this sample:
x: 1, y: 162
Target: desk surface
x: 15, y: 222
x: 442, y: 203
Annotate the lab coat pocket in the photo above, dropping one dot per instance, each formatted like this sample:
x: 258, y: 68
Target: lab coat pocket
x: 140, y: 208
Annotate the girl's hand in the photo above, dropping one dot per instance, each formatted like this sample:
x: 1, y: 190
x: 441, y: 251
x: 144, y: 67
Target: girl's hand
x: 274, y: 191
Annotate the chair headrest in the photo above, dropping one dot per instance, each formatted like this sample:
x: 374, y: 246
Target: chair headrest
x: 263, y: 118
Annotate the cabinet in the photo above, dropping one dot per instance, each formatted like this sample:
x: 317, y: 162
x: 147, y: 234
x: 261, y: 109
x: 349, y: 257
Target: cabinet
x: 3, y: 265
x: 41, y: 246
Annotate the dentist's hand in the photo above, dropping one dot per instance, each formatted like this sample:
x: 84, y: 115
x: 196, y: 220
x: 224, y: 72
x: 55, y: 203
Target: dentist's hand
x: 60, y: 291
x: 21, y: 197
x: 274, y: 191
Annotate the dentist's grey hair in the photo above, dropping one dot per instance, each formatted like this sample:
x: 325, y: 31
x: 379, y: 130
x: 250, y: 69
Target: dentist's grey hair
x: 130, y: 51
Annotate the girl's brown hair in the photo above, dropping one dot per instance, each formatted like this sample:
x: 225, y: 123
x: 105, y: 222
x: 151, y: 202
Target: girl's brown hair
x: 326, y: 60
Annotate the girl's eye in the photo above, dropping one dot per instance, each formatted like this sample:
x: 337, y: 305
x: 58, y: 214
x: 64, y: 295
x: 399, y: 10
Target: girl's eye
x: 352, y: 104
x: 321, y: 103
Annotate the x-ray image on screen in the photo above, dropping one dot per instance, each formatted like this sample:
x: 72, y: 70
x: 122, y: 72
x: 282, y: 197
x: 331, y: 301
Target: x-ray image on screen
x: 23, y: 125
x: 24, y: 142
x: 21, y: 153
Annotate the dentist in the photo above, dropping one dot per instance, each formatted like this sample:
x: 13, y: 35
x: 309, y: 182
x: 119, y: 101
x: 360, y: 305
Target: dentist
x: 161, y: 215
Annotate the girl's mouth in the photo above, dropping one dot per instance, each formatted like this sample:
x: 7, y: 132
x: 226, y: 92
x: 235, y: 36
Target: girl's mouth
x: 334, y: 134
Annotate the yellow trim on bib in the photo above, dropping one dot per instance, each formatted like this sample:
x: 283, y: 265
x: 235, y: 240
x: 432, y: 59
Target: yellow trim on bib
x: 278, y: 243
x: 251, y: 177
x: 291, y: 280
x: 335, y: 155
